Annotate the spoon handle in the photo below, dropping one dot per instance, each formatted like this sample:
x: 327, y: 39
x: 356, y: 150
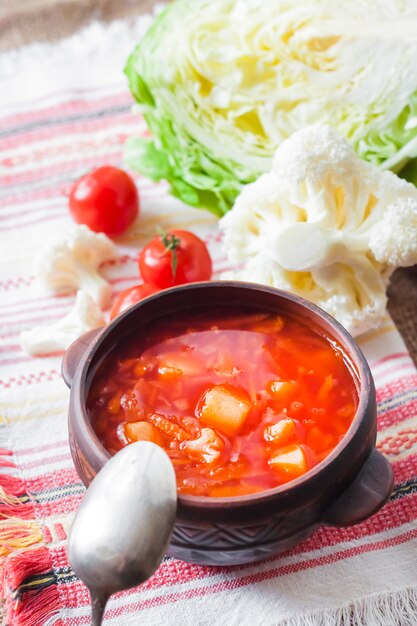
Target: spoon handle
x: 97, y: 609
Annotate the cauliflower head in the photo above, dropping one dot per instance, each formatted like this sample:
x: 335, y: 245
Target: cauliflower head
x: 324, y: 225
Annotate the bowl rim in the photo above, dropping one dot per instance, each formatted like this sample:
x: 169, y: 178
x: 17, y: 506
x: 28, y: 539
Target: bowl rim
x: 341, y: 335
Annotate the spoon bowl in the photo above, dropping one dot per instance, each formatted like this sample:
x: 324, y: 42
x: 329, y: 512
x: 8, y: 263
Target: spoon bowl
x: 123, y: 526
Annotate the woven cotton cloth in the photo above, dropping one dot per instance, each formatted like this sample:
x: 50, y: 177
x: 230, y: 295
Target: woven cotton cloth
x: 65, y: 109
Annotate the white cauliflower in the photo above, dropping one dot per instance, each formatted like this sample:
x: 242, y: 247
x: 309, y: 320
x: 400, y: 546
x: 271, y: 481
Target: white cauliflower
x: 325, y: 225
x: 85, y: 315
x: 206, y: 448
x: 72, y: 262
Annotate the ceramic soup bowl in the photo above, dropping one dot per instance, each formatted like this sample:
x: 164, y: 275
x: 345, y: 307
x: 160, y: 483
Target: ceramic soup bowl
x: 348, y: 486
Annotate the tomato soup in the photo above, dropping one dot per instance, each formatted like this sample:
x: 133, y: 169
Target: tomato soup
x: 241, y: 401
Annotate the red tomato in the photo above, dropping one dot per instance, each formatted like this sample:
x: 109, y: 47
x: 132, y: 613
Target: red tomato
x: 175, y: 258
x: 130, y: 296
x: 106, y: 200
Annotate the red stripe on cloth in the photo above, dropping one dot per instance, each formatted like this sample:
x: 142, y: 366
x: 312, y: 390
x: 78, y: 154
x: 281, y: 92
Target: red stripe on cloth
x: 50, y: 217
x: 64, y: 128
x: 64, y: 456
x: 60, y: 532
x: 60, y: 190
x: 390, y: 358
x: 46, y: 534
x: 6, y: 462
x: 19, y: 361
x: 10, y: 334
x: 399, y: 414
x: 44, y: 448
x: 52, y: 190
x: 38, y: 172
x: 61, y: 506
x: 405, y: 469
x: 395, y: 387
x: 27, y: 196
x: 393, y: 515
x: 153, y: 193
x: 394, y: 445
x: 30, y: 379
x: 66, y: 107
x: 50, y: 300
x: 52, y: 480
x: 16, y: 283
x: 19, y: 213
x: 31, y: 321
x: 397, y: 369
x: 12, y: 347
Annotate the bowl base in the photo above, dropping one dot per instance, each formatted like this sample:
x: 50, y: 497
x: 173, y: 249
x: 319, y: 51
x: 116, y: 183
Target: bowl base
x: 238, y: 556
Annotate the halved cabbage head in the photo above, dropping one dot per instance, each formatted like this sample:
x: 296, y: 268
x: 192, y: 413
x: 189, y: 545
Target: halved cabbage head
x: 222, y: 83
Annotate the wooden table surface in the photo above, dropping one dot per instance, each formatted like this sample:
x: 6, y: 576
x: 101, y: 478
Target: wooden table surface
x: 26, y: 21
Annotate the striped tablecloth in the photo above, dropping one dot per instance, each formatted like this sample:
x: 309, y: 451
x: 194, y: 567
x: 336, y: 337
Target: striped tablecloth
x: 63, y: 110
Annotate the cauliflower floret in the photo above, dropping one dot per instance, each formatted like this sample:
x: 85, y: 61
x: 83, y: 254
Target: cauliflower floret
x: 72, y: 263
x: 85, y: 315
x: 394, y: 239
x: 325, y: 225
x: 207, y: 448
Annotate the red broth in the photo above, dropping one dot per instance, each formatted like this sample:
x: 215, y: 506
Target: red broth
x: 241, y: 402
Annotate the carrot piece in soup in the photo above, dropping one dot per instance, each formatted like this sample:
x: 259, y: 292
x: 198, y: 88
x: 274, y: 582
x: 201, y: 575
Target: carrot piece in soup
x: 168, y: 427
x: 142, y: 367
x: 142, y: 431
x: 326, y: 388
x: 231, y: 470
x: 290, y: 461
x: 320, y: 441
x: 346, y: 411
x: 207, y: 448
x: 225, y: 408
x: 168, y: 373
x: 113, y: 405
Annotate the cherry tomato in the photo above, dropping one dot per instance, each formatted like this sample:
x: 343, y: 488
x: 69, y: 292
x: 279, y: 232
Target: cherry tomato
x: 130, y: 296
x: 175, y: 258
x: 106, y: 200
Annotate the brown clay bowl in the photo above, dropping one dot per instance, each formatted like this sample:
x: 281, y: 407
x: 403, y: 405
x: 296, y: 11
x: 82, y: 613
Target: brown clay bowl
x: 350, y: 485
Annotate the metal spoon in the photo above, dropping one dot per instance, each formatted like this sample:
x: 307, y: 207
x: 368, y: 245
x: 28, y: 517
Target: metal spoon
x: 123, y: 526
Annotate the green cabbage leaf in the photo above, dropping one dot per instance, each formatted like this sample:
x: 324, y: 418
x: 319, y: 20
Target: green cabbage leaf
x: 221, y: 83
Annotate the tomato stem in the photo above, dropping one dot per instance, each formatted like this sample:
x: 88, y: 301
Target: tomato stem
x: 171, y: 243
